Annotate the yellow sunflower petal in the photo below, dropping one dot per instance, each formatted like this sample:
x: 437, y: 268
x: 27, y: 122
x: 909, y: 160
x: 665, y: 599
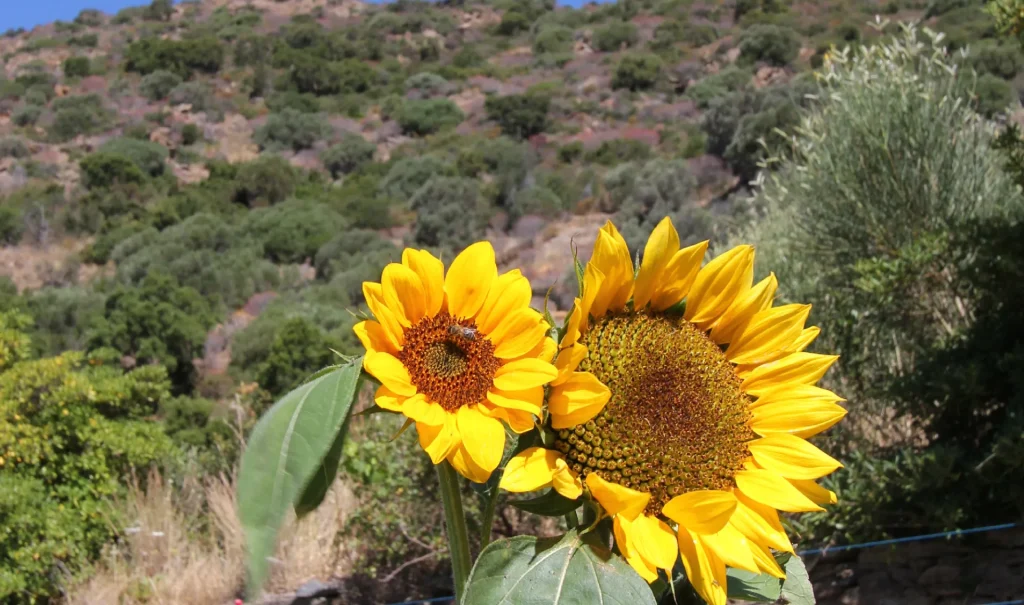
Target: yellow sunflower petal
x: 373, y: 337
x: 576, y: 400
x: 438, y: 441
x: 426, y: 412
x: 593, y: 283
x: 768, y: 334
x: 461, y: 460
x: 795, y: 368
x: 814, y: 492
x: 509, y: 293
x: 731, y: 547
x: 723, y: 280
x: 567, y: 361
x: 792, y: 457
x: 388, y: 399
x: 794, y: 394
x: 527, y: 400
x: 404, y: 294
x: 678, y: 276
x: 765, y: 562
x: 805, y: 339
x: 386, y: 368
x: 661, y: 245
x: 611, y: 258
x: 704, y: 570
x: 654, y: 540
x: 469, y: 279
x: 544, y: 351
x: 393, y: 330
x: 523, y: 374
x: 517, y: 420
x: 519, y: 334
x: 760, y: 523
x: 482, y: 437
x: 617, y: 499
x: 772, y: 489
x: 565, y: 481
x: 702, y: 511
x: 530, y: 470
x: 431, y: 273
x: 739, y: 314
x: 646, y: 570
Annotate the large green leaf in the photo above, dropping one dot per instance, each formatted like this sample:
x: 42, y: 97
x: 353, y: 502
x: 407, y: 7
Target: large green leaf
x: 571, y: 570
x: 291, y: 454
x: 548, y: 504
x: 797, y: 588
x: 761, y: 588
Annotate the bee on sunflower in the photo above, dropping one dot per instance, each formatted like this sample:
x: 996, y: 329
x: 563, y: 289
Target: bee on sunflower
x: 682, y: 404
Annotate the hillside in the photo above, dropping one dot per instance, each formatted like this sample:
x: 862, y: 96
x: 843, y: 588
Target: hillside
x: 192, y: 195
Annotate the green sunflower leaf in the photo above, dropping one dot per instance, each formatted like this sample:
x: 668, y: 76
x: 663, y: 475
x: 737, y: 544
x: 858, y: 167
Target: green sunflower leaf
x: 760, y: 588
x: 797, y: 588
x: 572, y: 569
x: 550, y: 504
x: 291, y: 459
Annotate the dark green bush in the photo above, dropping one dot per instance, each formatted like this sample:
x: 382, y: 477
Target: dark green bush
x: 89, y: 17
x: 351, y: 153
x: 552, y: 39
x: 197, y: 94
x: 644, y: 193
x: 293, y: 231
x: 617, y: 151
x: 1003, y: 60
x: 407, y: 175
x: 265, y: 181
x: 13, y: 147
x: 190, y: 134
x: 159, y: 10
x: 62, y: 317
x: 183, y: 57
x: 570, y: 152
x: 427, y: 116
x: 992, y: 95
x: 298, y: 350
x: 615, y: 35
x: 78, y: 115
x: 519, y: 116
x: 354, y: 76
x: 149, y: 157
x: 427, y: 84
x: 102, y: 170
x: 773, y: 44
x: 718, y: 85
x: 450, y: 212
x: 100, y: 249
x: 291, y: 129
x: 513, y: 22
x: 26, y: 115
x: 76, y: 67
x: 637, y: 71
x: 158, y: 85
x: 12, y: 225
x: 290, y: 99
x: 84, y: 41
x: 536, y: 200
x: 343, y: 252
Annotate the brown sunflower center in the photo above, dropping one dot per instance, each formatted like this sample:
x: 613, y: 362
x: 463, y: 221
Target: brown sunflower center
x: 677, y: 420
x: 449, y: 361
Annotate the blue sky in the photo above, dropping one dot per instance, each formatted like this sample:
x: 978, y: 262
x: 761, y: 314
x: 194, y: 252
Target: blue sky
x: 29, y: 13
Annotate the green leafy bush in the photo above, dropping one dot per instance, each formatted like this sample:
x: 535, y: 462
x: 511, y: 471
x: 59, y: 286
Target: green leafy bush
x: 90, y: 17
x: 450, y: 212
x: 13, y: 147
x: 552, y: 39
x: 617, y: 151
x: 265, y: 181
x: 407, y: 175
x: 536, y: 200
x: 183, y: 57
x: 718, y: 85
x: 774, y: 44
x: 345, y: 250
x: 637, y: 71
x: 644, y: 193
x: 12, y: 225
x: 149, y: 157
x: 615, y: 35
x: 427, y: 84
x: 293, y: 231
x: 26, y: 115
x: 62, y: 317
x: 197, y: 94
x: 290, y: 99
x: 348, y: 155
x: 298, y: 350
x: 992, y: 95
x: 291, y: 129
x: 427, y: 116
x: 78, y: 115
x: 513, y: 22
x: 519, y: 116
x: 102, y: 170
x: 190, y: 134
x: 570, y: 152
x: 1003, y: 60
x: 158, y: 84
x: 76, y: 67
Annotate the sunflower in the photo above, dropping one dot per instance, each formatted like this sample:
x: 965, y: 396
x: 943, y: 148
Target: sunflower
x: 457, y: 354
x: 682, y: 404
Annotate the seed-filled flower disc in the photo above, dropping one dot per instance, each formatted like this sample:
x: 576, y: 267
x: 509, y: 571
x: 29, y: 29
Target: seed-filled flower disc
x: 457, y: 353
x: 687, y: 424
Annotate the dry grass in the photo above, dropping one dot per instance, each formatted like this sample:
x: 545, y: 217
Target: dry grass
x: 186, y: 546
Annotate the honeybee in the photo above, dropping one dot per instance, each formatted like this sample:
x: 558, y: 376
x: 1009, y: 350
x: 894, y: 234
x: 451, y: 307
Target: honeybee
x: 463, y: 331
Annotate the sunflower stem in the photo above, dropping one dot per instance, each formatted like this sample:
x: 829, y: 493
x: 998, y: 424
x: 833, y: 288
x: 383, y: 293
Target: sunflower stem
x: 488, y: 518
x: 455, y: 526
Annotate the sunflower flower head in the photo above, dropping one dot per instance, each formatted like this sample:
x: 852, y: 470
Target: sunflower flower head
x: 682, y: 405
x: 459, y: 354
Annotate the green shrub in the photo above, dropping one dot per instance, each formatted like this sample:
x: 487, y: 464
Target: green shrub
x: 1003, y: 60
x: 310, y: 74
x: 191, y: 424
x: 183, y: 57
x: 773, y: 44
x: 513, y: 22
x: 78, y: 115
x: 100, y: 249
x: 149, y: 157
x: 427, y: 116
x: 407, y: 175
x: 26, y: 115
x: 347, y: 251
x: 350, y: 154
x: 291, y: 129
x: 552, y: 39
x: 13, y: 147
x: 84, y: 41
x: 62, y: 317
x: 617, y: 151
x: 637, y: 71
x: 536, y: 200
x: 298, y: 350
x: 197, y: 94
x: 450, y: 212
x: 90, y: 17
x: 299, y: 101
x: 992, y: 95
x: 12, y: 225
x: 159, y: 10
x: 644, y: 193
x: 506, y: 160
x: 265, y: 181
x: 292, y: 231
x: 354, y: 76
x: 427, y: 84
x: 102, y: 170
x: 158, y: 85
x: 718, y: 85
x: 616, y: 35
x: 570, y: 152
x: 76, y: 67
x: 519, y: 116
x: 190, y: 134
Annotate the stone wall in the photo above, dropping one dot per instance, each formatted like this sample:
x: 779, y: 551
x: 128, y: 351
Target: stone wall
x: 970, y: 570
